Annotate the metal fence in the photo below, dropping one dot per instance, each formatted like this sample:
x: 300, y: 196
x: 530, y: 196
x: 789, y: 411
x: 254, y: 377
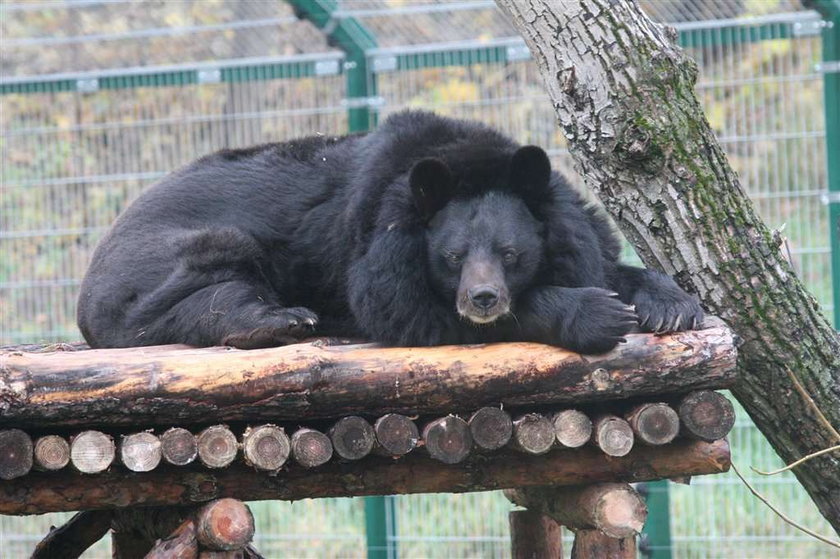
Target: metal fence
x: 101, y: 98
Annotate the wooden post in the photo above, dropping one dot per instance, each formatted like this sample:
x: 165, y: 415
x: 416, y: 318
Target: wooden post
x: 534, y: 536
x: 593, y: 544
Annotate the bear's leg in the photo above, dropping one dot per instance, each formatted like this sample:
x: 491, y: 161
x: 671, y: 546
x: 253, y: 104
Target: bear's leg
x: 581, y: 319
x: 661, y: 304
x: 237, y: 313
x: 217, y: 292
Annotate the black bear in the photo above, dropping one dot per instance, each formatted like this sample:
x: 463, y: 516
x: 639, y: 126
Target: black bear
x: 427, y: 231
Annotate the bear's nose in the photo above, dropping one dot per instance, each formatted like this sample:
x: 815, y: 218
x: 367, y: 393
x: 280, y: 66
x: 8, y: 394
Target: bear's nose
x: 483, y: 296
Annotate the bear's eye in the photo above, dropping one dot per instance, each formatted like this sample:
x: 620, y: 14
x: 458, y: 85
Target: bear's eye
x: 509, y: 257
x: 454, y: 258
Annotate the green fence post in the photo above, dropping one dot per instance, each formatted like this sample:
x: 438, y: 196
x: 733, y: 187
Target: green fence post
x: 656, y: 539
x: 830, y: 11
x: 354, y: 39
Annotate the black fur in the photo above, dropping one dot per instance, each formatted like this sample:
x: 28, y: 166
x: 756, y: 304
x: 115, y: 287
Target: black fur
x: 410, y: 235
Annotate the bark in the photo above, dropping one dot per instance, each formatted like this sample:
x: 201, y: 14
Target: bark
x: 534, y: 536
x: 624, y: 96
x: 75, y: 536
x: 593, y: 544
x: 616, y: 509
x: 166, y: 385
x: 41, y: 492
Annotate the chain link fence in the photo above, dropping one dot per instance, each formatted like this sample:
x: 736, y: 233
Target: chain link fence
x: 101, y: 98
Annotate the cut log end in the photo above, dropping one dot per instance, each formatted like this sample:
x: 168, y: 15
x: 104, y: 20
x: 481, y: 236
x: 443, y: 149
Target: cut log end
x: 311, y: 448
x: 572, y: 428
x: 224, y: 525
x: 15, y: 454
x: 654, y: 423
x: 92, y: 452
x: 266, y: 447
x: 613, y: 435
x: 533, y: 433
x: 491, y: 428
x: 448, y: 439
x: 51, y: 453
x: 396, y: 434
x: 706, y: 415
x: 140, y: 452
x: 178, y: 446
x: 352, y: 437
x: 619, y: 511
x: 217, y: 446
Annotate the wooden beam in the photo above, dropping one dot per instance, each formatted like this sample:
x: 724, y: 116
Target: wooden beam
x: 534, y: 536
x: 41, y: 492
x: 166, y: 385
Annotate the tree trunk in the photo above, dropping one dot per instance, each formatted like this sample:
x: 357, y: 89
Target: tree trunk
x: 158, y: 385
x: 624, y: 95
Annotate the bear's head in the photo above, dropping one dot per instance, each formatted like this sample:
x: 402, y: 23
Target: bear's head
x: 486, y: 248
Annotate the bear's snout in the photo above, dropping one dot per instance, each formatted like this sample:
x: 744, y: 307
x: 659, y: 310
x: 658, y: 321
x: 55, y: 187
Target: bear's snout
x: 483, y: 296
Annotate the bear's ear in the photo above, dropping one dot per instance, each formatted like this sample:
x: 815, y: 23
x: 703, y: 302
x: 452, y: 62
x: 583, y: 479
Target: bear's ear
x: 530, y: 172
x: 432, y: 186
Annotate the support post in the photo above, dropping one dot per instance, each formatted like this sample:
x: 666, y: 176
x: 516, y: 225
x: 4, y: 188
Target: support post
x: 830, y: 11
x: 534, y: 536
x: 354, y: 39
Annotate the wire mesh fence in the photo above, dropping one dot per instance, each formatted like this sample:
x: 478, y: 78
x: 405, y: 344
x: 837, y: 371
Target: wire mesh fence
x: 101, y: 98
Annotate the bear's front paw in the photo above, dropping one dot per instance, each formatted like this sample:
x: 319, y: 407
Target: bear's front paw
x: 275, y: 328
x: 599, y: 322
x: 667, y: 310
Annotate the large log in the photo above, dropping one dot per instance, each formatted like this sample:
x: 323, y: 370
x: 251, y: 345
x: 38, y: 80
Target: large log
x: 616, y: 509
x: 41, y: 492
x: 168, y: 385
